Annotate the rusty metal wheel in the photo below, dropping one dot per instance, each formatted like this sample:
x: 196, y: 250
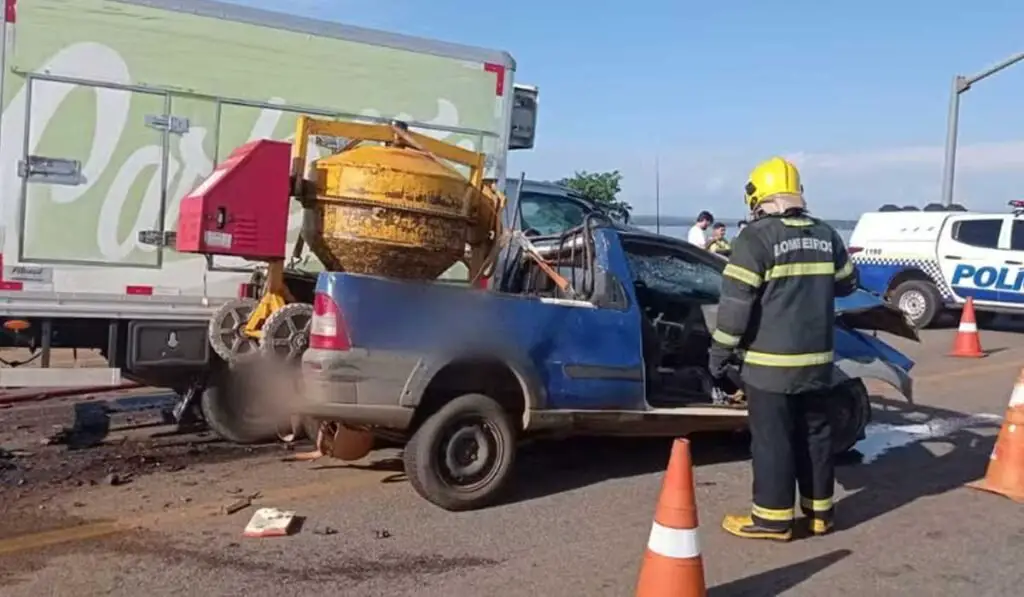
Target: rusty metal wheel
x: 225, y: 330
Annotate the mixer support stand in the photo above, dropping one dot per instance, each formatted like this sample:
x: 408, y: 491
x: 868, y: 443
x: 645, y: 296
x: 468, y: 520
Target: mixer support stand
x: 275, y: 296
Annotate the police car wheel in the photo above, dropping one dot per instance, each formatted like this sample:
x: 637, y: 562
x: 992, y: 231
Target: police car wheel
x: 919, y: 300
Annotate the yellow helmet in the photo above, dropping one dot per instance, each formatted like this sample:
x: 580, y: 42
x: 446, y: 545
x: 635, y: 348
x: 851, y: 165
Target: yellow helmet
x: 772, y: 177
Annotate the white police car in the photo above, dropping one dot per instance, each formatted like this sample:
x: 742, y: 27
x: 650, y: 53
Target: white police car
x: 929, y: 261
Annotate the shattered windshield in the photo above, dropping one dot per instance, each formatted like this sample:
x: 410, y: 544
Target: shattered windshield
x: 673, y: 275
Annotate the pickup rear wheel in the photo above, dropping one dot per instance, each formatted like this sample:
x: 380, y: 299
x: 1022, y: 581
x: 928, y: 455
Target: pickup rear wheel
x: 919, y: 299
x: 849, y: 414
x: 461, y: 457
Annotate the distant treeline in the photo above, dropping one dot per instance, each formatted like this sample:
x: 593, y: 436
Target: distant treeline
x: 651, y: 220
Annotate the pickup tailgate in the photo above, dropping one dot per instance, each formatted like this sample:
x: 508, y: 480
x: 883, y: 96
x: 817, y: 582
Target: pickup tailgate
x: 368, y: 337
x: 412, y: 317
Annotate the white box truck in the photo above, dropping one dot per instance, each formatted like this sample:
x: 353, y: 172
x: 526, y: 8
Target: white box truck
x: 114, y: 109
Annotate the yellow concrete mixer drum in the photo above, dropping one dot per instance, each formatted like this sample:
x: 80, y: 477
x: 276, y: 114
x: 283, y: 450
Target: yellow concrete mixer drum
x: 396, y: 209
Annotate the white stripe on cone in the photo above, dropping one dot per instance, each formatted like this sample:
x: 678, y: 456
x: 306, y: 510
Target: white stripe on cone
x: 673, y: 543
x: 969, y: 328
x: 1017, y: 397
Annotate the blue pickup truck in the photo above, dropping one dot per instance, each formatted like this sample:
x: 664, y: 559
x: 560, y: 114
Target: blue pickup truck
x: 462, y: 375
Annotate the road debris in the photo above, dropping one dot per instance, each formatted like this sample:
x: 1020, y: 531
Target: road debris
x: 382, y: 534
x: 237, y: 506
x: 242, y: 502
x: 14, y: 454
x: 326, y: 531
x: 59, y: 434
x: 114, y: 479
x: 269, y: 522
x: 882, y: 438
x: 10, y: 398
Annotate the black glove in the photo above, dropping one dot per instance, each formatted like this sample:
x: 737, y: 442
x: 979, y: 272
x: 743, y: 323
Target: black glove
x: 719, y: 359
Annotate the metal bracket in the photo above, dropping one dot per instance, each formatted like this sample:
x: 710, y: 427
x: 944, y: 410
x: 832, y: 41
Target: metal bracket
x: 962, y: 83
x: 333, y: 144
x: 37, y: 168
x: 176, y: 125
x: 157, y: 238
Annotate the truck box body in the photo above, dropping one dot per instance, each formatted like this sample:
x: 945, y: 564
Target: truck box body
x: 113, y: 110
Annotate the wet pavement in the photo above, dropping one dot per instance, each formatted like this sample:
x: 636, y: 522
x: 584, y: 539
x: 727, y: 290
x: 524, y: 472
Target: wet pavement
x: 576, y: 524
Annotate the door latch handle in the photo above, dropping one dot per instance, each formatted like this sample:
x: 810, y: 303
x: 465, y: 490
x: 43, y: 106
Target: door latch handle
x: 952, y: 256
x: 1013, y: 263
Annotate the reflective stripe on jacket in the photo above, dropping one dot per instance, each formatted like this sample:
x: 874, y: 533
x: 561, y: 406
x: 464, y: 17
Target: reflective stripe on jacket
x: 777, y: 308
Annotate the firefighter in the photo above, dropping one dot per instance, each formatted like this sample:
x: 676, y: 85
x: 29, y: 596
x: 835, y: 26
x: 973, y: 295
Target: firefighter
x: 775, y: 322
x: 718, y: 243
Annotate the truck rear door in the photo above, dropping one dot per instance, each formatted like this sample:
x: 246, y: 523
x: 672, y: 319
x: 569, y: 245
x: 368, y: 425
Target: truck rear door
x: 972, y: 260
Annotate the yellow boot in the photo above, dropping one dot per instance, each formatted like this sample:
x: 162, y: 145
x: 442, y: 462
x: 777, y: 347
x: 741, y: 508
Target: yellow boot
x: 745, y: 527
x: 818, y: 527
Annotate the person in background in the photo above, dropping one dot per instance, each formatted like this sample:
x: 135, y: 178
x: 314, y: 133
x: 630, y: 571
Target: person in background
x: 718, y: 243
x: 776, y: 321
x: 696, y: 234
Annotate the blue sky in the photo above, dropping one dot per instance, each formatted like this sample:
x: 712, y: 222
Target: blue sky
x: 856, y: 93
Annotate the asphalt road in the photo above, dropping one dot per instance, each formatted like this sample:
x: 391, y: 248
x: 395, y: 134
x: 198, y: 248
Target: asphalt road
x: 576, y: 526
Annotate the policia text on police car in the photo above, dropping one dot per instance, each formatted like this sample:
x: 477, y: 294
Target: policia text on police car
x: 775, y: 321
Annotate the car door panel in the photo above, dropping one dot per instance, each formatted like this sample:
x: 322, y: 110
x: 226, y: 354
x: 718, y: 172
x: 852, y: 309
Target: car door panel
x: 970, y: 257
x: 1011, y: 285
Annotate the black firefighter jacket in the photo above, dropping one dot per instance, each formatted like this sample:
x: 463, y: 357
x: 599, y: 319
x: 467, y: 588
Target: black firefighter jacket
x: 776, y: 310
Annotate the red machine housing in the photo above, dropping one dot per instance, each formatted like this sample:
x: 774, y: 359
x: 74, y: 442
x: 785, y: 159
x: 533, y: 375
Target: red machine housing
x: 241, y: 209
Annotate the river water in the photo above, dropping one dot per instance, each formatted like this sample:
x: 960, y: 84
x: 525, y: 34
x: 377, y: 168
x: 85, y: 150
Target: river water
x: 680, y: 231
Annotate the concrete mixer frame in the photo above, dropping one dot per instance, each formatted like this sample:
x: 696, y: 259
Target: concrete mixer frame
x: 275, y: 294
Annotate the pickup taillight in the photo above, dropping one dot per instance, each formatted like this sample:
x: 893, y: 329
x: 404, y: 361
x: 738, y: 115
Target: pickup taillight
x: 327, y: 330
x: 853, y: 250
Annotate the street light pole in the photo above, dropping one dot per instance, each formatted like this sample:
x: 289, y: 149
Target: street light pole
x: 657, y: 197
x: 960, y: 85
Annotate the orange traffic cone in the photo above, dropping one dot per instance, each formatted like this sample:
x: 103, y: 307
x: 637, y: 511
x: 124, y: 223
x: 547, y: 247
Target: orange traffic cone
x: 968, y: 343
x: 672, y: 565
x: 1005, y: 473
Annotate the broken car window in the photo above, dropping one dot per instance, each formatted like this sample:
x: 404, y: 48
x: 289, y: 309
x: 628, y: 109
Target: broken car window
x: 549, y: 214
x: 672, y: 274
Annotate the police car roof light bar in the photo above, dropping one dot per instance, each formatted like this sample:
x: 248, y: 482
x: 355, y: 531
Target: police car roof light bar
x: 1018, y: 206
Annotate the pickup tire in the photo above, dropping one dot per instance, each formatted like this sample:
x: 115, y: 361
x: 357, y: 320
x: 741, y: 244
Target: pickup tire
x: 849, y: 414
x: 461, y: 457
x: 919, y: 300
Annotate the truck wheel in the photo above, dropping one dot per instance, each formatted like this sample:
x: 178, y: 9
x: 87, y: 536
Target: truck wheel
x: 919, y: 299
x: 461, y: 457
x: 849, y: 413
x: 231, y: 408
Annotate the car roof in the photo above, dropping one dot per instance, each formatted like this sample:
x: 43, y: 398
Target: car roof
x: 628, y: 232
x: 541, y: 187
